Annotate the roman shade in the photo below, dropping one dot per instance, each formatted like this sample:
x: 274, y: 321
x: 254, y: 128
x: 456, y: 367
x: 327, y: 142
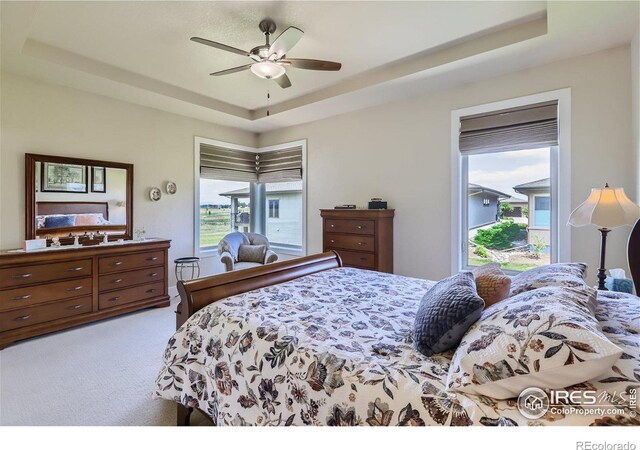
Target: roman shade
x: 238, y: 165
x: 524, y: 127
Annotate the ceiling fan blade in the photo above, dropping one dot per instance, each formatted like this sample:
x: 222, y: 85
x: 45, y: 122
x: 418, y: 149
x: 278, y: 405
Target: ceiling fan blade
x: 283, y: 81
x: 232, y: 70
x: 312, y: 64
x: 285, y: 42
x: 220, y: 46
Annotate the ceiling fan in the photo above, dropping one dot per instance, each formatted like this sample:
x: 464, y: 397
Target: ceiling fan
x: 270, y: 60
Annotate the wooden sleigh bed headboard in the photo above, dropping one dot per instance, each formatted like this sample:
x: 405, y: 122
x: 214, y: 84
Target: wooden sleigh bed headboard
x: 196, y: 294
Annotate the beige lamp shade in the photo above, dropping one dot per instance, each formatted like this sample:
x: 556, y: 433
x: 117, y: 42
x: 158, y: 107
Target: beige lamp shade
x: 605, y: 208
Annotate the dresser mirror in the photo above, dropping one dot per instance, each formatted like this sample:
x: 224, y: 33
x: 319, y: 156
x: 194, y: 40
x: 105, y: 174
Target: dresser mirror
x: 69, y: 197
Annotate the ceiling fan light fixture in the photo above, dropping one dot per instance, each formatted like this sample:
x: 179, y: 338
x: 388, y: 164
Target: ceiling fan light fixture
x: 268, y: 70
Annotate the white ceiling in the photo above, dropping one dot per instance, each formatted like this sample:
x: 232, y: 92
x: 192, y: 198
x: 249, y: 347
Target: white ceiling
x: 140, y: 51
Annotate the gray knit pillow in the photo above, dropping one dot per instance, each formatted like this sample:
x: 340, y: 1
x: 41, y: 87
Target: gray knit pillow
x: 252, y: 253
x: 445, y: 314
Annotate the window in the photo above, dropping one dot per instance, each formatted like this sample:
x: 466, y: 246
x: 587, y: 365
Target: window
x: 274, y: 208
x: 224, y: 208
x: 284, y: 224
x: 250, y: 190
x: 542, y: 211
x: 511, y: 183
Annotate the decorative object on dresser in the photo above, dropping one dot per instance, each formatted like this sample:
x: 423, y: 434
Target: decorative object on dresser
x: 362, y: 237
x: 50, y: 290
x: 605, y: 208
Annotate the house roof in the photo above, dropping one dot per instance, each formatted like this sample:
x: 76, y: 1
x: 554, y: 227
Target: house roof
x: 515, y: 200
x: 476, y: 189
x: 544, y: 183
x: 272, y: 188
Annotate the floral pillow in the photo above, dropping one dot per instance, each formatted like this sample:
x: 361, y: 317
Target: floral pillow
x: 545, y: 338
x: 559, y: 274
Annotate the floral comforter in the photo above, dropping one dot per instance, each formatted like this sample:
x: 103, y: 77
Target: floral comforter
x: 335, y: 348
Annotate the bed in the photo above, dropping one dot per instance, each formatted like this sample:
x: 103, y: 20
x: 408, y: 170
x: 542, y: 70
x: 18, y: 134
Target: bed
x: 58, y: 219
x: 309, y: 342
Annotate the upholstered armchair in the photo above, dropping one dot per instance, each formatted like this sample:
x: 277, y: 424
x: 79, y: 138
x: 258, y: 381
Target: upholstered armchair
x: 243, y: 250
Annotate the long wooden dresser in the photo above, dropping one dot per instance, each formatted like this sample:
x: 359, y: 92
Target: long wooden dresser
x: 362, y: 237
x: 45, y: 291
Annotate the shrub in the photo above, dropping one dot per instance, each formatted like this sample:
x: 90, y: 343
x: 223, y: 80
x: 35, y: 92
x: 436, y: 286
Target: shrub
x: 481, y: 251
x: 500, y: 236
x: 505, y: 208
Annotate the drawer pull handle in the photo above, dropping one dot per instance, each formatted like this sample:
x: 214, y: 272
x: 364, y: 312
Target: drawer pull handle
x: 114, y: 299
x: 74, y: 269
x: 118, y: 280
x: 152, y: 258
x: 153, y: 274
x: 116, y: 263
x: 23, y: 317
x: 75, y: 288
x: 362, y: 243
x: 332, y: 226
x: 333, y: 241
x: 22, y: 297
x: 24, y: 275
x: 360, y: 227
x: 75, y: 307
x: 149, y: 291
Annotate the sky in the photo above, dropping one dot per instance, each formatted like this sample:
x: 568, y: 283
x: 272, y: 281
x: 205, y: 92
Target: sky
x: 209, y: 190
x: 502, y: 171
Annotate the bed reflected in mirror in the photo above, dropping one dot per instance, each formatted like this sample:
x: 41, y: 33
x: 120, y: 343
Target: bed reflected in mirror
x: 71, y: 197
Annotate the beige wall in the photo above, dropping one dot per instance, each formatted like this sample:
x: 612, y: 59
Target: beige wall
x: 48, y: 119
x: 401, y: 152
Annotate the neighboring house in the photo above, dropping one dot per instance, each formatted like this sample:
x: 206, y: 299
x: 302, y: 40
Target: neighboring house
x: 539, y: 200
x: 520, y: 206
x: 484, y: 205
x: 284, y: 212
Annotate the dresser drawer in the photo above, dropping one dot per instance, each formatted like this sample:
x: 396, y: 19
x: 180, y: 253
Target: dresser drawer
x: 126, y: 279
x: 134, y: 294
x: 20, y: 276
x: 350, y: 226
x: 349, y: 242
x: 23, y: 317
x: 364, y: 260
x: 127, y: 262
x: 43, y: 293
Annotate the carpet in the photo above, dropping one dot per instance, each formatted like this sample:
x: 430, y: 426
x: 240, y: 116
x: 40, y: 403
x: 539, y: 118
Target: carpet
x: 97, y: 374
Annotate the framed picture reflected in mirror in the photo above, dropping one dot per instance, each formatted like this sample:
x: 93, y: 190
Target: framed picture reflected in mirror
x: 98, y: 179
x: 61, y: 177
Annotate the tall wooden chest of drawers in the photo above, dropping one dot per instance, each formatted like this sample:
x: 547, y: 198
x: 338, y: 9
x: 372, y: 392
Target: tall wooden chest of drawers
x: 362, y: 237
x: 45, y: 291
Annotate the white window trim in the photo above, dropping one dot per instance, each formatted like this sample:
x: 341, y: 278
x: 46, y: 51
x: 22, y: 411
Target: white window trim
x: 561, y: 237
x: 213, y: 251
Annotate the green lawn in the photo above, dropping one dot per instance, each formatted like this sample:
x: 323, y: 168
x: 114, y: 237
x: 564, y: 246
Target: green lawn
x: 214, y: 225
x: 474, y: 261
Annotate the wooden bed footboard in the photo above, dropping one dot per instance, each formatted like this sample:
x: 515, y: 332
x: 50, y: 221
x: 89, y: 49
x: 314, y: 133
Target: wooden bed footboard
x: 196, y: 294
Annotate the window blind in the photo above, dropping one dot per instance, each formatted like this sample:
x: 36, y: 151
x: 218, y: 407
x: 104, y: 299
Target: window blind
x: 524, y: 127
x: 238, y: 165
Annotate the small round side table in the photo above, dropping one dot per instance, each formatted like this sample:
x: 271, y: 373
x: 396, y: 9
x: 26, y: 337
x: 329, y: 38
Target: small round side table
x: 189, y: 263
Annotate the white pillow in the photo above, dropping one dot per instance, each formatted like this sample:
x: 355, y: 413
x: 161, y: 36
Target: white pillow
x: 545, y: 338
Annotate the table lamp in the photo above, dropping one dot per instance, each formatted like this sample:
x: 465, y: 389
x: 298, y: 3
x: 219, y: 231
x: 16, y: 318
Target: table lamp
x: 606, y: 208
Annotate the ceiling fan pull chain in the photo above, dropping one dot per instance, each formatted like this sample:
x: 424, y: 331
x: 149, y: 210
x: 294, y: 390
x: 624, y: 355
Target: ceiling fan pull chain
x: 268, y: 98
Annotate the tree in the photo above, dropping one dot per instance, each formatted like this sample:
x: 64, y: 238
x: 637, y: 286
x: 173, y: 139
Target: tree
x: 505, y: 208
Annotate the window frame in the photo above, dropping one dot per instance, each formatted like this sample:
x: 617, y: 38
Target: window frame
x: 274, y: 212
x: 533, y: 216
x: 210, y: 252
x: 560, y: 174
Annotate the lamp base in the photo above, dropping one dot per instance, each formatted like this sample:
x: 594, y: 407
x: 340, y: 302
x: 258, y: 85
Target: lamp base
x: 602, y: 272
